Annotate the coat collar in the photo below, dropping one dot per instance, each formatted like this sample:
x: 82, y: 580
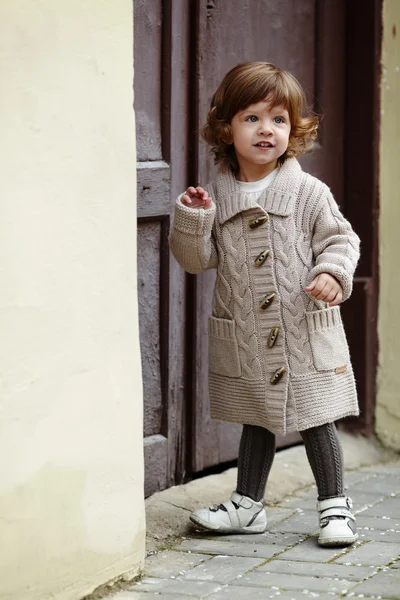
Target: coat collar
x: 278, y: 198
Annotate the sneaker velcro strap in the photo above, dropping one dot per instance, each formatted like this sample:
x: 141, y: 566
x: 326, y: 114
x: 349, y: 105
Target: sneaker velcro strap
x: 341, y: 501
x: 232, y: 512
x: 336, y: 511
x: 242, y: 500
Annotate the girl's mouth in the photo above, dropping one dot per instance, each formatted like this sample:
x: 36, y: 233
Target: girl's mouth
x: 264, y: 145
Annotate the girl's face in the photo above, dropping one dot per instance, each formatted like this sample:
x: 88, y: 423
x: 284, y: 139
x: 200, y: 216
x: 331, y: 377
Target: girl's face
x: 260, y: 136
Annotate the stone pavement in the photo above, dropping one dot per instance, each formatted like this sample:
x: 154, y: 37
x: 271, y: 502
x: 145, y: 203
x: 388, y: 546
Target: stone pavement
x: 286, y: 563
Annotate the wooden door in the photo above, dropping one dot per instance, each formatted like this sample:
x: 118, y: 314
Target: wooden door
x: 162, y: 141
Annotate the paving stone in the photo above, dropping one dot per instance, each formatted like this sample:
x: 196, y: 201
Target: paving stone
x: 371, y: 553
x: 168, y: 563
x: 244, y: 593
x: 353, y: 477
x: 269, y: 538
x: 362, y: 499
x: 390, y: 535
x: 379, y: 484
x: 307, y: 595
x: 391, y: 468
x: 264, y: 593
x: 196, y: 589
x: 333, y: 570
x: 303, y: 522
x: 395, y: 565
x: 275, y: 514
x: 143, y: 596
x: 229, y: 548
x: 385, y: 584
x: 310, y: 551
x: 377, y: 523
x: 296, y: 582
x: 223, y: 569
x: 294, y: 595
x: 387, y: 508
x: 303, y: 502
x: 310, y: 492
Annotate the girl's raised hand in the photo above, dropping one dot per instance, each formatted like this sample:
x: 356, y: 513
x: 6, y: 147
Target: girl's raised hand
x: 196, y: 198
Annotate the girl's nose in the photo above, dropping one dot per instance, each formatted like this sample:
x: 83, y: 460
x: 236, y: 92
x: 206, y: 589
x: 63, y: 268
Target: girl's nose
x: 265, y: 127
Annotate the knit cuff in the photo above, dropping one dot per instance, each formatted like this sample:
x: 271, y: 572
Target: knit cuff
x: 195, y: 221
x: 338, y: 273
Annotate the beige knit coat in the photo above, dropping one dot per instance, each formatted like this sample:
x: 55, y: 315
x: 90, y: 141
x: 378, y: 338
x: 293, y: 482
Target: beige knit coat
x: 282, y: 364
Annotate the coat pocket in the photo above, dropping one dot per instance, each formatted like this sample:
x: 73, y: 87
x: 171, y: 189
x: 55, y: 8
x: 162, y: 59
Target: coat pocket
x: 223, y: 348
x: 328, y: 339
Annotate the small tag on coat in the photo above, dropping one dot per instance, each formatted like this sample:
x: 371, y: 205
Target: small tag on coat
x: 342, y: 369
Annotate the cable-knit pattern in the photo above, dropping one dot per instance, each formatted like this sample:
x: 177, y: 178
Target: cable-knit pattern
x: 326, y: 460
x: 237, y: 261
x: 222, y: 292
x: 337, y: 456
x: 293, y: 303
x: 256, y: 455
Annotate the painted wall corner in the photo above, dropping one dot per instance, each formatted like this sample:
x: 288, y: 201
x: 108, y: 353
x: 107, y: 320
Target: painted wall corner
x: 387, y: 416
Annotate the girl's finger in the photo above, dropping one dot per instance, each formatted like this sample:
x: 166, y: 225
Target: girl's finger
x: 324, y: 292
x: 332, y: 295
x: 186, y: 199
x: 335, y: 300
x: 311, y: 286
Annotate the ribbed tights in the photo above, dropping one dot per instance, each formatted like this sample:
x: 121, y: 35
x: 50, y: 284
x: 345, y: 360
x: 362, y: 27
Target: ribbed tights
x: 257, y: 451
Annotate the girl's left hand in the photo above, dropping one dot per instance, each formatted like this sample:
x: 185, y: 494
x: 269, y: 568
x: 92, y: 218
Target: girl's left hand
x: 327, y: 288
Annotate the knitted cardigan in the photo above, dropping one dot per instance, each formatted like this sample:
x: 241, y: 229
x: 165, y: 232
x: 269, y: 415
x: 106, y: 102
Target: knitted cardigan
x: 284, y: 363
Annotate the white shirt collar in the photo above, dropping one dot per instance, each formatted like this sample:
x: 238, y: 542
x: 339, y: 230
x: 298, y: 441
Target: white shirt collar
x: 258, y: 186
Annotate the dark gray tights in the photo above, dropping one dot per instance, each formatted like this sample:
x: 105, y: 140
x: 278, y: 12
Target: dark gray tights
x: 257, y: 451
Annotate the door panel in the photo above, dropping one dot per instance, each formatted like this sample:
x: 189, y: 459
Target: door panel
x: 153, y: 210
x: 162, y: 67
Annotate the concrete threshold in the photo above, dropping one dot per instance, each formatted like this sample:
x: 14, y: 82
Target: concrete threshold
x: 167, y: 512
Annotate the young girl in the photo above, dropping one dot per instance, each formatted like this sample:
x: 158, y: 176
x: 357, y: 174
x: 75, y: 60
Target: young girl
x: 285, y: 258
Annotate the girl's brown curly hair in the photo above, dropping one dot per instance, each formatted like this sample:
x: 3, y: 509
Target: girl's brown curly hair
x: 247, y: 84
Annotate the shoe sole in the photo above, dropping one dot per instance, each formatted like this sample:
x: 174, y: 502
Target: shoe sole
x: 342, y: 541
x: 219, y: 529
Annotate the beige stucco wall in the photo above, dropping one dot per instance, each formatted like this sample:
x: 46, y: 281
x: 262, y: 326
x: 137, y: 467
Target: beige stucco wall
x: 71, y: 475
x: 388, y: 396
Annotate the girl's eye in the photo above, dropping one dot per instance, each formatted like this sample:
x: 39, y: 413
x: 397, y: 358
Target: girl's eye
x: 279, y: 120
x: 252, y: 119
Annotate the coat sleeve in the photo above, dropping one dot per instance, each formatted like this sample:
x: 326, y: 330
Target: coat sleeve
x: 336, y: 247
x: 192, y: 240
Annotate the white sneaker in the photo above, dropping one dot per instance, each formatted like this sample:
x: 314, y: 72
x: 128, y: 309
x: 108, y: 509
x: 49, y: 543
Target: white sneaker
x: 240, y: 514
x: 337, y: 524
